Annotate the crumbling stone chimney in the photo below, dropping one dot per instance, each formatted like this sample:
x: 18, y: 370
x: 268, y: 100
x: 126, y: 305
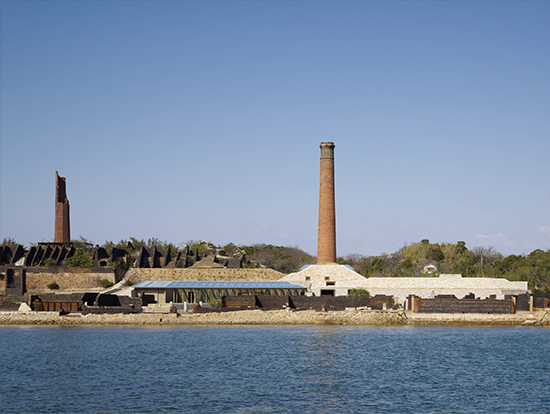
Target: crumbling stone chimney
x: 326, y: 242
x: 62, y: 229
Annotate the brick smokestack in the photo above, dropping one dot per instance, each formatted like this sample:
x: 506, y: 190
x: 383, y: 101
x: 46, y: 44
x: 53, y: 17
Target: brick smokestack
x: 62, y: 229
x: 326, y: 243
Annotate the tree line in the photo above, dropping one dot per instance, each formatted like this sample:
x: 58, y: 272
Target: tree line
x: 412, y: 259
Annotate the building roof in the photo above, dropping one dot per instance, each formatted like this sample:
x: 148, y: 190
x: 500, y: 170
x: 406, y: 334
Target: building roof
x: 207, y: 284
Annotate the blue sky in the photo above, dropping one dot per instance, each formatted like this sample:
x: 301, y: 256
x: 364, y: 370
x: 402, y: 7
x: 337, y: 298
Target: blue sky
x: 202, y: 120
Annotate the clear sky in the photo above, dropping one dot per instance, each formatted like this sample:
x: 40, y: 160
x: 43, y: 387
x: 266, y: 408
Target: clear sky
x: 202, y: 120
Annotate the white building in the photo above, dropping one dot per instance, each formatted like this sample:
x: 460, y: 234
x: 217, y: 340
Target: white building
x: 338, y: 280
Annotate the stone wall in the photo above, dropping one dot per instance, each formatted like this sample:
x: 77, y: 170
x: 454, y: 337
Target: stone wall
x: 430, y: 287
x: 341, y: 279
x: 253, y: 317
x: 68, y: 279
x: 138, y: 275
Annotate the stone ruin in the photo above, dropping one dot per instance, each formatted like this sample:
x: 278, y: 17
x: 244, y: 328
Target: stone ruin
x: 62, y: 233
x: 210, y: 257
x: 54, y: 255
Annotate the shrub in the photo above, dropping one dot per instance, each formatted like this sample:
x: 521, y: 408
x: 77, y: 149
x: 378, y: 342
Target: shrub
x: 128, y: 283
x: 10, y: 242
x: 360, y: 292
x: 106, y: 283
x: 49, y: 262
x: 53, y: 285
x: 215, y: 303
x: 79, y: 259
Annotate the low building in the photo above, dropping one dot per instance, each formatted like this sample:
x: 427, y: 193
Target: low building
x: 338, y: 280
x: 192, y: 291
x: 327, y: 279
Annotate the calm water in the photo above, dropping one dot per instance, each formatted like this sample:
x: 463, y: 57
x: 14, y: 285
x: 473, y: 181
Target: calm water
x: 274, y: 370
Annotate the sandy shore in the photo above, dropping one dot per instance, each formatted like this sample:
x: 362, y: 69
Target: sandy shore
x: 281, y: 317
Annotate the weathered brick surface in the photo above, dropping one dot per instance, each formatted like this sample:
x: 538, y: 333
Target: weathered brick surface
x: 447, y: 305
x: 10, y: 303
x: 326, y: 245
x: 318, y: 303
x: 62, y: 222
x: 242, y: 301
x: 341, y: 302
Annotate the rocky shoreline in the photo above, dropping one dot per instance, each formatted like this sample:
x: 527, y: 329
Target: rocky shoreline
x: 282, y: 317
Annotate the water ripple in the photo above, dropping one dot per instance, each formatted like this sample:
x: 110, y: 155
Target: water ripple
x: 326, y: 369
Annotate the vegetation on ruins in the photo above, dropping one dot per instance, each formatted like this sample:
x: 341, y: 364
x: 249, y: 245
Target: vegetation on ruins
x: 133, y: 245
x: 81, y: 243
x: 50, y: 262
x: 106, y: 283
x: 79, y: 259
x: 196, y: 244
x: 53, y: 285
x: 11, y: 243
x: 360, y: 292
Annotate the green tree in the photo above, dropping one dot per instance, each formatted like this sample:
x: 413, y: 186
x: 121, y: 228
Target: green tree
x: 79, y: 259
x: 81, y: 243
x: 461, y: 247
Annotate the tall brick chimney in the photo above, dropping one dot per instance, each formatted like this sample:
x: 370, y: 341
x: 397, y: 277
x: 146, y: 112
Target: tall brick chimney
x: 62, y: 227
x: 326, y: 242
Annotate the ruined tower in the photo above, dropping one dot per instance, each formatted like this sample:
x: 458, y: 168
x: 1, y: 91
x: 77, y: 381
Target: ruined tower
x: 326, y: 242
x: 62, y: 229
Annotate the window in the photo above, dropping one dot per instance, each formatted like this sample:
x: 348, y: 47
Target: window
x: 10, y: 282
x: 331, y: 283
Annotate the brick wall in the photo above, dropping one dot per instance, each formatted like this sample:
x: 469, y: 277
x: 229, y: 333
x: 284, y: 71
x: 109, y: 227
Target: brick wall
x: 239, y: 301
x: 273, y: 302
x: 317, y: 303
x: 10, y: 303
x: 448, y: 305
x: 341, y: 302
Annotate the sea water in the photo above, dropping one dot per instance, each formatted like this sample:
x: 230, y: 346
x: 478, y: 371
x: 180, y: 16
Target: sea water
x: 312, y: 369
